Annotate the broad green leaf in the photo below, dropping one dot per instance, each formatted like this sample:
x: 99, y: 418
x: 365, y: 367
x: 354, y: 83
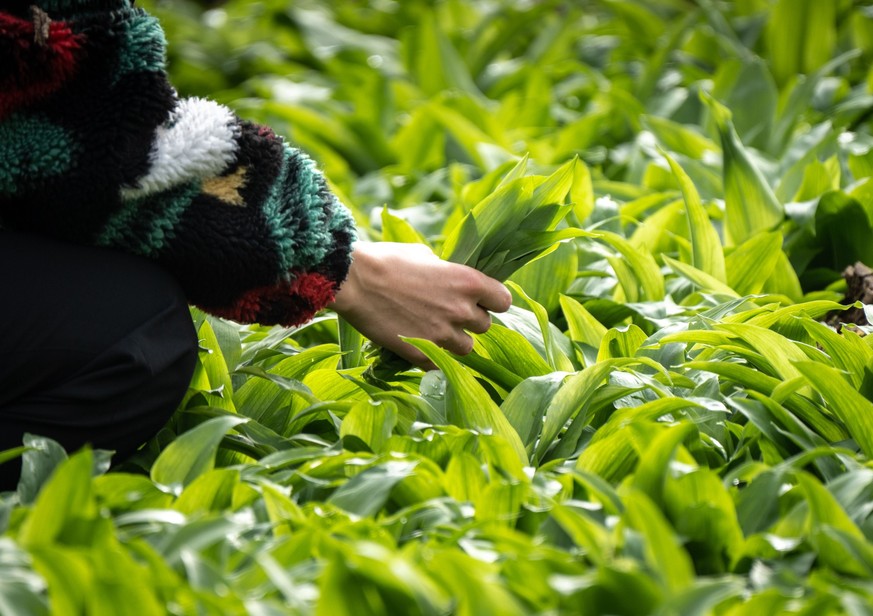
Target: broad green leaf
x: 192, y: 453
x: 611, y: 458
x: 433, y: 60
x: 38, y: 462
x: 664, y: 555
x: 646, y: 412
x: 746, y: 87
x: 69, y: 576
x: 467, y: 404
x: 500, y: 502
x: 351, y: 342
x: 754, y: 379
x: 800, y: 35
x: 212, y: 360
x: 675, y: 137
x: 818, y: 178
x: 642, y: 265
x: 838, y: 542
x: 699, y: 278
x: 494, y: 220
x: 654, y: 460
x: 847, y: 350
x: 210, y: 492
x: 464, y: 478
x: 583, y: 326
x: 65, y: 499
x: 750, y: 204
x: 702, y: 511
x: 853, y: 409
x: 781, y: 353
x: 367, y: 492
x: 784, y: 281
x: 547, y: 277
x: 747, y: 261
x: 582, y: 192
x: 572, y: 398
x: 706, y: 251
x: 584, y: 532
x: 396, y: 229
x: 842, y: 229
x: 621, y: 342
x: 555, y: 356
x: 511, y: 350
x: 474, y: 584
x: 371, y: 422
x: 526, y: 405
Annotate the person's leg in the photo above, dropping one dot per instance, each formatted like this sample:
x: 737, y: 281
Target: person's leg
x: 95, y: 347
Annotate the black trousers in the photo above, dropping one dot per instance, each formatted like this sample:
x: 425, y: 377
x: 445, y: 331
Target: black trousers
x: 95, y: 347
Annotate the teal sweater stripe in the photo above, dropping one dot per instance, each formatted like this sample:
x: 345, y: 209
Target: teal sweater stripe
x: 33, y: 147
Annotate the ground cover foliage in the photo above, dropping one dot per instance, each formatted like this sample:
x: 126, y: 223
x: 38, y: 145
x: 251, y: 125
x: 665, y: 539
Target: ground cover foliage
x: 661, y: 424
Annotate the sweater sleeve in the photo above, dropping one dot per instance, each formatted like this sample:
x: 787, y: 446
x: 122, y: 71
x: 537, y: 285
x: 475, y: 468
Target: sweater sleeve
x: 97, y: 148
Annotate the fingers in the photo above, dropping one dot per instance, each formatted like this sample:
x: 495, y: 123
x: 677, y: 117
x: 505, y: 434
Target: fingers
x: 461, y: 344
x: 494, y: 295
x: 479, y: 322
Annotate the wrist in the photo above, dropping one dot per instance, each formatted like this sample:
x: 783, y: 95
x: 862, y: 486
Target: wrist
x: 348, y: 293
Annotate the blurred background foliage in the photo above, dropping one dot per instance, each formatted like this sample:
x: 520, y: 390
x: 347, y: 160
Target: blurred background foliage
x: 403, y: 103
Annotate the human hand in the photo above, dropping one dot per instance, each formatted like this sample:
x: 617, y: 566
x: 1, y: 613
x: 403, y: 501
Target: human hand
x: 397, y: 290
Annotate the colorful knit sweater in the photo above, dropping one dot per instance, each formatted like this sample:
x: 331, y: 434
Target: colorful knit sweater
x: 97, y: 148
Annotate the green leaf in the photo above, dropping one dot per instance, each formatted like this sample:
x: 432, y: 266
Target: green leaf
x: 396, y: 229
x: 212, y: 360
x: 759, y: 253
x: 584, y: 532
x: 371, y: 422
x: 842, y: 229
x: 621, y: 342
x: 750, y: 204
x: 663, y: 552
x: 467, y: 404
x: 38, y: 462
x: 545, y: 278
x: 706, y: 251
x: 555, y: 356
x: 653, y: 466
x: 464, y: 479
x: 526, y: 405
x: 838, y: 542
x: 367, y: 492
x: 210, y: 492
x: 65, y: 498
x: 699, y: 278
x: 193, y: 453
x: 853, y: 409
x: 801, y: 36
x: 583, y: 326
x: 571, y: 399
x: 641, y: 264
x: 703, y: 512
x: 511, y: 350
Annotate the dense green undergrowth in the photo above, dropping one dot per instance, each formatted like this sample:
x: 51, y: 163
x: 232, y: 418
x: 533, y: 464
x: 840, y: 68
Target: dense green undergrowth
x: 661, y: 424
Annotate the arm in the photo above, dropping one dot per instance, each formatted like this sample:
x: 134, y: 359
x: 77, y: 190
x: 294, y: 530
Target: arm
x: 405, y: 290
x: 98, y: 149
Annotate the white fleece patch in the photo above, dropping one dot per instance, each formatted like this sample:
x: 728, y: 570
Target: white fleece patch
x: 197, y: 142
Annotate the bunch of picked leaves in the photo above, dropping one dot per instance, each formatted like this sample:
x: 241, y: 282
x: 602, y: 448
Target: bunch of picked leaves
x: 516, y: 223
